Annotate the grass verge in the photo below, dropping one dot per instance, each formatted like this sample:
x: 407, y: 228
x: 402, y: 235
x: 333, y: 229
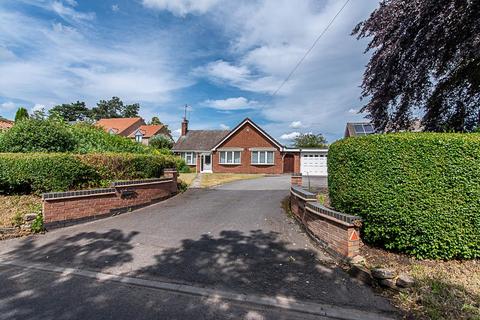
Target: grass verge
x: 13, y: 208
x: 442, y: 290
x: 214, y: 179
x: 187, y: 177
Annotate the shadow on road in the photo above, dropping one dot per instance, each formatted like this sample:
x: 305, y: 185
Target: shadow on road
x: 257, y: 263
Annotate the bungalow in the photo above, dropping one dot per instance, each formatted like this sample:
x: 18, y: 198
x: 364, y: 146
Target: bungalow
x: 245, y: 149
x: 5, y: 123
x: 133, y: 128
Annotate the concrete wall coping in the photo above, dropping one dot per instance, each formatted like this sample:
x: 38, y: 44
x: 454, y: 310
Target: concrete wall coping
x: 127, y: 183
x: 317, y: 208
x: 304, y: 194
x: 75, y: 194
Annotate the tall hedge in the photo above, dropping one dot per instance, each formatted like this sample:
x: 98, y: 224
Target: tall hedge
x: 24, y: 173
x: 418, y: 193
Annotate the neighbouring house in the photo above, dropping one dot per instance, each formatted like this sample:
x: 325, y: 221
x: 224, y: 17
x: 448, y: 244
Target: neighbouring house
x: 5, y: 123
x: 133, y: 128
x: 245, y: 149
x: 145, y: 132
x: 355, y: 129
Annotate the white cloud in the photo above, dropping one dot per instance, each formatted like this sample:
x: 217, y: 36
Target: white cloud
x: 115, y: 7
x: 38, y: 107
x: 224, y: 126
x: 295, y: 124
x: 353, y: 111
x: 68, y: 13
x: 181, y: 7
x: 64, y: 64
x: 289, y: 136
x: 240, y: 103
x: 8, y: 105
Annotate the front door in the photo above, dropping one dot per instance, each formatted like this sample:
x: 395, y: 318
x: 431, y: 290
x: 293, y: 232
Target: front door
x: 206, y: 163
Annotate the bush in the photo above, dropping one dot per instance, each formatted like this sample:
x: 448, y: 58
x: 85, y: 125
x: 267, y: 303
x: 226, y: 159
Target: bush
x: 417, y: 192
x: 126, y: 166
x: 42, y: 172
x: 160, y: 141
x: 30, y: 135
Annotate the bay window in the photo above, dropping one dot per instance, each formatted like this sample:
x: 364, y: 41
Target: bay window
x: 189, y: 158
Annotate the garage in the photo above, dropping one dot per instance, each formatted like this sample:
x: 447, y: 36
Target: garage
x: 313, y: 163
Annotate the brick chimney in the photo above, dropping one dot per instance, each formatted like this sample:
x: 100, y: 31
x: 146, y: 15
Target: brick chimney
x: 184, y: 126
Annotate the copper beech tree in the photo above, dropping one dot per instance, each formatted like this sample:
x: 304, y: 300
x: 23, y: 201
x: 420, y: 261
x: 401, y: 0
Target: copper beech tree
x: 425, y: 63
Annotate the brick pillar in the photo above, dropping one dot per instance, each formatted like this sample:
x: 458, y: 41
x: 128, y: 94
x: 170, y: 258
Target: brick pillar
x: 353, y: 245
x: 296, y: 179
x: 172, y: 173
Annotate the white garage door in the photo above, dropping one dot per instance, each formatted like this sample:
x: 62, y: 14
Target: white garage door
x: 314, y: 163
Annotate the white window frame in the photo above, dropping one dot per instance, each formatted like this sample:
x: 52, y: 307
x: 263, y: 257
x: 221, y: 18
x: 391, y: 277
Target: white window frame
x: 139, y: 138
x: 232, y: 152
x: 194, y: 158
x: 257, y: 160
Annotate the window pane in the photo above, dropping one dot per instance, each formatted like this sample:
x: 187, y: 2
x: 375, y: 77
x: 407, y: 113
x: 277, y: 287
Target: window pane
x: 262, y: 157
x: 222, y: 157
x: 237, y: 156
x: 359, y: 128
x: 189, y: 158
x: 255, y: 157
x: 368, y: 128
x: 229, y: 157
x: 270, y: 157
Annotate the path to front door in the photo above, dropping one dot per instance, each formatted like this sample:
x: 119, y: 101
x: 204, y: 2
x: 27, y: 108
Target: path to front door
x: 233, y: 238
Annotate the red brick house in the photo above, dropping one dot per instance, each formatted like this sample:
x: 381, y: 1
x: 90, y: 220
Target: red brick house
x: 245, y: 149
x: 133, y: 128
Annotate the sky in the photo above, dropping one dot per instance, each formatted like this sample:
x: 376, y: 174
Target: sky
x: 222, y: 58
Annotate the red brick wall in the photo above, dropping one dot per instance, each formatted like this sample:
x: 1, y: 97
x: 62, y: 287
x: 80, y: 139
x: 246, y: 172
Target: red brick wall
x: 248, y: 137
x: 334, y: 234
x: 76, y: 208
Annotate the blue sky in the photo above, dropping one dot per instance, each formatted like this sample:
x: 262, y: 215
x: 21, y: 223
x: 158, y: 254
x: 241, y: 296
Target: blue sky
x: 223, y: 58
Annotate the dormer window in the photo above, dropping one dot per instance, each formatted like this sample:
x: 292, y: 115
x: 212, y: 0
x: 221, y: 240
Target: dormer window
x: 138, y: 137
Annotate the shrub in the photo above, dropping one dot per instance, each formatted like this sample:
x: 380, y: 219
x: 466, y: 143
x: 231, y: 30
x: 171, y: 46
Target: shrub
x: 125, y: 166
x: 31, y: 135
x: 160, y: 141
x: 42, y: 172
x: 417, y: 192
x: 93, y: 139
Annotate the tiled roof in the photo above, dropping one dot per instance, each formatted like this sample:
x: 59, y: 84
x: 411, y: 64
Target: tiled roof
x: 119, y: 125
x: 5, y: 123
x: 200, y: 139
x: 148, y: 130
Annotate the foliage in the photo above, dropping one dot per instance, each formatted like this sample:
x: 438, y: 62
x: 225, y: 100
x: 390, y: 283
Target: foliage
x: 160, y: 141
x: 126, y: 166
x: 155, y: 121
x: 24, y: 173
x: 37, y: 224
x: 76, y: 111
x: 417, y: 192
x: 93, y: 139
x: 310, y: 140
x: 42, y: 172
x: 185, y: 169
x: 38, y: 114
x: 21, y: 114
x: 114, y: 108
x: 33, y: 135
x: 425, y: 55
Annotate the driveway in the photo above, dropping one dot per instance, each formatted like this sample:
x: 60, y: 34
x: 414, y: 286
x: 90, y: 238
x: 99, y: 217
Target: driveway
x: 234, y: 239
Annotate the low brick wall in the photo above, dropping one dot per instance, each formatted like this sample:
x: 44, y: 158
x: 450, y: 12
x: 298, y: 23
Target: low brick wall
x: 66, y: 208
x: 336, y: 231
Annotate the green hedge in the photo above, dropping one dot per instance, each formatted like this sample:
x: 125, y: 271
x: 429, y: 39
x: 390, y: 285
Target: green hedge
x: 45, y: 172
x: 418, y: 193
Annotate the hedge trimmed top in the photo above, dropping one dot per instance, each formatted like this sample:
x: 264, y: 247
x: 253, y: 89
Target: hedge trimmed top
x: 418, y: 193
x: 32, y: 135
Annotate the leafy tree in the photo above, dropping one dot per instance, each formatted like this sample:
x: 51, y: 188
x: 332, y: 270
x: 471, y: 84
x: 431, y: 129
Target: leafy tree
x: 425, y: 60
x: 21, y: 114
x: 38, y: 114
x: 75, y: 111
x: 160, y: 141
x: 114, y: 108
x: 131, y: 110
x: 155, y: 121
x: 310, y: 140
